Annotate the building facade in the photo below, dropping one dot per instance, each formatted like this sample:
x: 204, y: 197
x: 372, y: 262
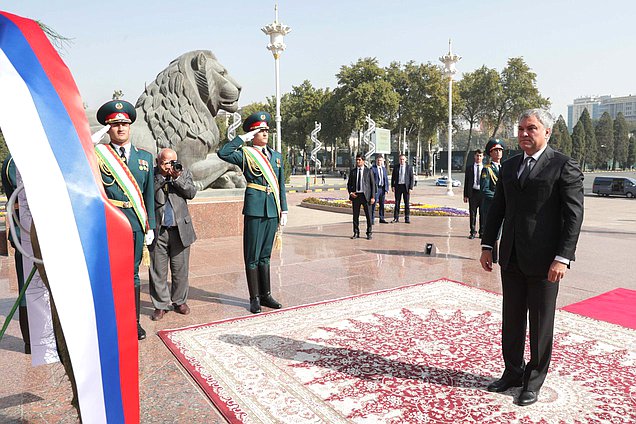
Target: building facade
x: 597, y: 105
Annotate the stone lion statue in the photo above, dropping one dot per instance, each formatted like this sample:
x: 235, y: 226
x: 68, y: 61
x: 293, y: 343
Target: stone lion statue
x: 177, y: 110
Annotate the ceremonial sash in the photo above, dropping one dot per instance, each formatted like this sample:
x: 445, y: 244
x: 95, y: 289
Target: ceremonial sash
x: 492, y: 174
x: 109, y: 159
x: 256, y: 160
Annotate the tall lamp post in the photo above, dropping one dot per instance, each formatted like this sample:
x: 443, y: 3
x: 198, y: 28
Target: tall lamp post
x: 449, y: 60
x: 277, y: 32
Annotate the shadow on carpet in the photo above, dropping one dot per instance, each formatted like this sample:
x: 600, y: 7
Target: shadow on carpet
x: 420, y: 353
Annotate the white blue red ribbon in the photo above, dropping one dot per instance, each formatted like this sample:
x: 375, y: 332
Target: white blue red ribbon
x: 86, y: 243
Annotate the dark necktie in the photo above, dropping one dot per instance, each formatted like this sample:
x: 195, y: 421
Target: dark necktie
x: 527, y: 167
x: 122, y: 153
x: 359, y: 179
x: 265, y: 152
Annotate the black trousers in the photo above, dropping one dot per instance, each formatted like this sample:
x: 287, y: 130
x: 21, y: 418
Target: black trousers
x: 474, y: 204
x: 361, y: 200
x: 533, y: 299
x: 402, y: 191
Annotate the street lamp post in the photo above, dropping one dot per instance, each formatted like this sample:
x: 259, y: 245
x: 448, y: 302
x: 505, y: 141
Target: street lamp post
x: 449, y: 60
x: 277, y: 32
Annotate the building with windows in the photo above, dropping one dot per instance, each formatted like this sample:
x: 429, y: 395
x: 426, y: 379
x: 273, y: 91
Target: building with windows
x: 597, y: 105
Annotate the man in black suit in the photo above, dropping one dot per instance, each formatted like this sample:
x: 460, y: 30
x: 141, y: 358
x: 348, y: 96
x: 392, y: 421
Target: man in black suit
x: 402, y: 181
x: 539, y: 199
x: 361, y: 187
x: 472, y: 192
x: 382, y: 185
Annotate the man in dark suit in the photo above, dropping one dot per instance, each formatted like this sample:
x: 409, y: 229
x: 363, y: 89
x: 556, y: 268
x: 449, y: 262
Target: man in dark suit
x: 382, y: 185
x: 126, y: 160
x: 472, y: 192
x: 361, y: 187
x: 539, y: 199
x: 402, y: 181
x: 173, y: 235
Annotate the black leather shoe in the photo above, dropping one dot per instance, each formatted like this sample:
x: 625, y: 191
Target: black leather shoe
x: 369, y: 236
x: 255, y: 305
x: 270, y: 302
x: 355, y: 236
x: 527, y: 397
x: 503, y: 384
x: 472, y: 236
x: 396, y: 220
x: 382, y: 221
x: 141, y: 333
x: 408, y: 221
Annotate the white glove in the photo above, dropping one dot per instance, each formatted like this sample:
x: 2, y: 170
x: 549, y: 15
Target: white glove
x: 149, y: 237
x: 96, y: 138
x: 250, y: 135
x: 283, y: 219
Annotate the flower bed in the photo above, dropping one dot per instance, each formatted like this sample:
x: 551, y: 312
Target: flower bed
x: 417, y: 209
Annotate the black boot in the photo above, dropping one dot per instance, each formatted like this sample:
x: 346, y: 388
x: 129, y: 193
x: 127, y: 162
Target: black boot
x: 24, y: 328
x: 252, y: 287
x: 141, y: 333
x: 264, y: 287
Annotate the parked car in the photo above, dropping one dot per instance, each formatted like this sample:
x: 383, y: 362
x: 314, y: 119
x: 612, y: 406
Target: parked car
x: 443, y: 181
x: 614, y: 186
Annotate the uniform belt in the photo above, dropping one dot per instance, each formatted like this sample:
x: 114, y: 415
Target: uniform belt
x: 121, y: 204
x: 255, y: 186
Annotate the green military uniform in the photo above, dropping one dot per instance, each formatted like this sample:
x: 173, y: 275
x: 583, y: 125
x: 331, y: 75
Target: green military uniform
x: 487, y: 184
x: 261, y: 214
x: 9, y: 184
x: 140, y: 164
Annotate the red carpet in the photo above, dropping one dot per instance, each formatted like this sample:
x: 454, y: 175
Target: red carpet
x: 415, y: 354
x: 617, y: 306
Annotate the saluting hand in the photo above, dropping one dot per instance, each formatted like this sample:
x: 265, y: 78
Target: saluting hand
x: 249, y: 135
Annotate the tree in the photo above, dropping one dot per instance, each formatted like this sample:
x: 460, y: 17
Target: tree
x: 604, y: 133
x: 300, y: 110
x: 578, y: 142
x: 478, y: 93
x: 589, y: 153
x: 631, y: 152
x: 621, y: 141
x: 517, y: 92
x: 560, y: 138
x: 363, y: 89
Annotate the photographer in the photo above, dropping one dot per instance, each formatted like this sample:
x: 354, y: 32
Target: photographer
x: 173, y: 236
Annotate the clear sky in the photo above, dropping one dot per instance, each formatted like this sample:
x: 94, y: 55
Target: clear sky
x: 576, y: 47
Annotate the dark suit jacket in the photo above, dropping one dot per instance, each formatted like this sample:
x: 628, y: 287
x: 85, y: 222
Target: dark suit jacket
x: 541, y: 220
x: 178, y: 191
x: 469, y: 178
x: 409, y: 180
x: 369, y: 182
x: 376, y: 176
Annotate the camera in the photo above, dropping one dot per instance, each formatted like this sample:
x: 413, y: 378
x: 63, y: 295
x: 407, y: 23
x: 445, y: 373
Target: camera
x: 176, y: 165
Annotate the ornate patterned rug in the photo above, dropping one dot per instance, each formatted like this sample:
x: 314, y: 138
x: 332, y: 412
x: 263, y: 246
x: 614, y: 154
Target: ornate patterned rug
x: 416, y: 354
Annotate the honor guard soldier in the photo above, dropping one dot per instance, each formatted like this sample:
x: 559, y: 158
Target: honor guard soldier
x: 265, y: 204
x: 128, y: 177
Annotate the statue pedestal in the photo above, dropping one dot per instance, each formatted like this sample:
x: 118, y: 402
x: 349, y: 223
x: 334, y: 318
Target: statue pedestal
x: 217, y: 213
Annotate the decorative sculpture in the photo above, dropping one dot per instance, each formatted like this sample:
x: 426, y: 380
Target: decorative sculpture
x: 177, y: 110
x: 236, y: 122
x: 366, y: 137
x: 317, y: 145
